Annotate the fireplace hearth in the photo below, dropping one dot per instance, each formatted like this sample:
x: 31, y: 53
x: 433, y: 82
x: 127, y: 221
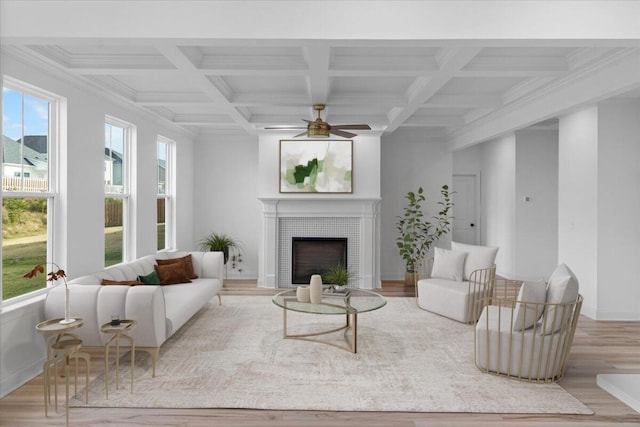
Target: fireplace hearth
x: 316, y: 255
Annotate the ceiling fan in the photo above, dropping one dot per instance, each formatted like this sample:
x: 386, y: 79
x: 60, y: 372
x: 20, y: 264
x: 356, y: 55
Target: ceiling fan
x: 319, y: 127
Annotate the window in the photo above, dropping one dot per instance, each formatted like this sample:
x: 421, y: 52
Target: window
x: 164, y: 178
x: 117, y: 139
x: 29, y: 145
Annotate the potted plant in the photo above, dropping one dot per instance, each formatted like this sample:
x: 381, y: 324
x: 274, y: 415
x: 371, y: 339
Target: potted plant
x: 231, y: 248
x: 338, y: 276
x: 417, y: 233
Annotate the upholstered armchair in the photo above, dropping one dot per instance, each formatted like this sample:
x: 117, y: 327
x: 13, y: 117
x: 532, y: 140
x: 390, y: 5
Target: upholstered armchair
x: 461, y: 280
x: 529, y: 337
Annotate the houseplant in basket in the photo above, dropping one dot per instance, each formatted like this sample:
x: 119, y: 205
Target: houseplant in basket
x: 417, y: 233
x: 231, y: 248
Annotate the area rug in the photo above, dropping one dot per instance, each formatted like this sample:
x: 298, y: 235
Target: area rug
x: 234, y: 356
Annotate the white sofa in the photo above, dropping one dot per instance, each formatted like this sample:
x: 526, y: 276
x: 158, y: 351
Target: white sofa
x: 460, y: 280
x: 159, y: 310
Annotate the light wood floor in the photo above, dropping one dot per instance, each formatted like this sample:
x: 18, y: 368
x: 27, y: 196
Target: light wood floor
x: 599, y: 347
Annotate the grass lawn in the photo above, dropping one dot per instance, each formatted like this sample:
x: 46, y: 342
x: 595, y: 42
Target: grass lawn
x: 17, y: 260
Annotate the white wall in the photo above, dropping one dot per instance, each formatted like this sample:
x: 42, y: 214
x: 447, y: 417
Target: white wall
x: 408, y: 162
x: 536, y: 231
x: 498, y: 192
x: 578, y: 200
x: 618, y: 234
x: 520, y: 164
x: 226, y: 187
x: 80, y: 245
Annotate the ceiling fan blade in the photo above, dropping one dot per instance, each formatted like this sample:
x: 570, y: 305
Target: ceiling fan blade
x: 308, y: 121
x: 342, y: 133
x: 300, y: 134
x: 360, y: 127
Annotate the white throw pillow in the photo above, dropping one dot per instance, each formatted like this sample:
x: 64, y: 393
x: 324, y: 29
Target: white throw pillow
x: 477, y: 257
x: 448, y: 264
x: 534, y: 294
x: 562, y: 288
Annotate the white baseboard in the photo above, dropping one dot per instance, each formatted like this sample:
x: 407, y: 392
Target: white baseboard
x: 618, y: 315
x: 624, y: 387
x: 10, y: 383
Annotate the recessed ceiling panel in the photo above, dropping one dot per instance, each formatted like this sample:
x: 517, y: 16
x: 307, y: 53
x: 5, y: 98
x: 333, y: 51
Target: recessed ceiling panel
x: 246, y: 57
x: 157, y: 83
x: 371, y: 85
x: 397, y: 58
x: 96, y: 56
x: 515, y: 52
x: 263, y: 84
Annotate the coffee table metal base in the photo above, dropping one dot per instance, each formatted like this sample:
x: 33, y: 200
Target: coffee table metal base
x: 351, y: 324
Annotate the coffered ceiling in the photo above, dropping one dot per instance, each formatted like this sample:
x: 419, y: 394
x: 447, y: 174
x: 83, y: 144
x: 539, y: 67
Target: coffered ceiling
x: 224, y: 86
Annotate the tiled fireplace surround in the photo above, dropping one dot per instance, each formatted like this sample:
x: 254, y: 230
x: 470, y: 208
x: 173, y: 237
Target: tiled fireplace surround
x: 354, y: 218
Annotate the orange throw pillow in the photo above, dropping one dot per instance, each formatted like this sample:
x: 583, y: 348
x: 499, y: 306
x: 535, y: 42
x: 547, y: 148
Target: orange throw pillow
x: 171, y: 274
x: 188, y: 264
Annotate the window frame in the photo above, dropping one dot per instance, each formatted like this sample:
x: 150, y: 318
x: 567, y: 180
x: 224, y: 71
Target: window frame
x: 54, y: 141
x: 128, y: 138
x: 169, y: 210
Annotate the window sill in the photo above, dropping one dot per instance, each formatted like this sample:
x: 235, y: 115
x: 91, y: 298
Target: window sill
x: 15, y: 307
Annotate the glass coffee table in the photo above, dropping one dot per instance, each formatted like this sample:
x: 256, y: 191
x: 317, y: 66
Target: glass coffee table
x: 357, y: 301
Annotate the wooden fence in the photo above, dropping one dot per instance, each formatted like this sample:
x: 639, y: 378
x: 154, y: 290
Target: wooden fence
x: 113, y: 213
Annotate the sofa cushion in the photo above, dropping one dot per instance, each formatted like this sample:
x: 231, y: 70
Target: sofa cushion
x: 448, y: 264
x: 448, y: 298
x: 526, y: 313
x: 562, y: 288
x: 477, y: 257
x: 186, y: 260
x: 171, y: 274
x: 521, y: 354
x: 184, y: 300
x: 150, y: 279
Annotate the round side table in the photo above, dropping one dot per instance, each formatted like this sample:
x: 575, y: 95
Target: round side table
x: 118, y: 332
x: 62, y: 346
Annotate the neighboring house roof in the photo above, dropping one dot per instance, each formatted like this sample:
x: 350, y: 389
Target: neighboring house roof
x: 36, y: 142
x: 14, y: 152
x: 115, y: 156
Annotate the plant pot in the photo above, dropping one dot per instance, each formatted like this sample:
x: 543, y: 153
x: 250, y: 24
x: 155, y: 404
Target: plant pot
x: 411, y: 278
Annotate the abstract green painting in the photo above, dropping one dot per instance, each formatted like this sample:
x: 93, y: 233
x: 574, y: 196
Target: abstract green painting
x: 316, y: 166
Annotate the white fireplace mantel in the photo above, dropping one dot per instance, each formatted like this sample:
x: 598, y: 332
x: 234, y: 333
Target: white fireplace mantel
x: 363, y: 210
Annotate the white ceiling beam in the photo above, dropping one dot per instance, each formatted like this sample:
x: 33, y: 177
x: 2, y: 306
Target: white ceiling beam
x: 620, y: 74
x: 318, y: 57
x: 190, y: 72
x: 452, y: 61
x: 433, y: 120
x: 463, y: 101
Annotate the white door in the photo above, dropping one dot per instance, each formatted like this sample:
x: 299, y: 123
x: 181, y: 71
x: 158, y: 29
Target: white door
x: 465, y: 228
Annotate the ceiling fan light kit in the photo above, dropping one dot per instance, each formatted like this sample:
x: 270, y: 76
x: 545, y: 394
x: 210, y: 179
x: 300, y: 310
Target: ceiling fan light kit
x: 320, y: 128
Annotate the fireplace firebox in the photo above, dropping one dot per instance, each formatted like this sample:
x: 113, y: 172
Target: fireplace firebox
x: 316, y: 255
